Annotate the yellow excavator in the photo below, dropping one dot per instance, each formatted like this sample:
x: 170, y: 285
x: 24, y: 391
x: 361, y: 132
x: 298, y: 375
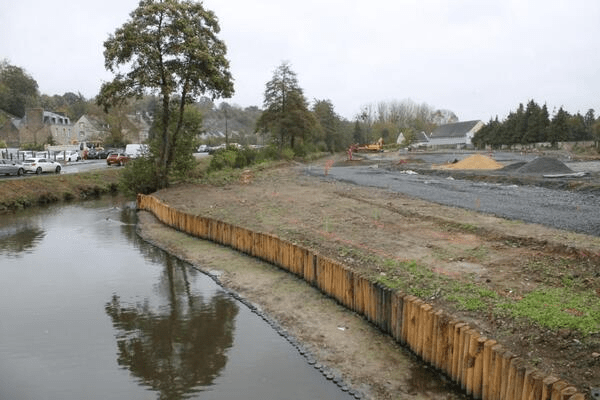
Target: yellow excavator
x: 365, y: 148
x: 370, y: 148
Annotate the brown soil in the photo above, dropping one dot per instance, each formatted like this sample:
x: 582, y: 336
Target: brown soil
x: 365, y: 228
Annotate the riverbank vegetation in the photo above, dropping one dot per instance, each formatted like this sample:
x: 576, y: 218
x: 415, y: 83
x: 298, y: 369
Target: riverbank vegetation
x: 17, y: 194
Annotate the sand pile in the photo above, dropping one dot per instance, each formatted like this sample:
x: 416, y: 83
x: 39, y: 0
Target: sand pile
x: 476, y: 161
x: 544, y: 165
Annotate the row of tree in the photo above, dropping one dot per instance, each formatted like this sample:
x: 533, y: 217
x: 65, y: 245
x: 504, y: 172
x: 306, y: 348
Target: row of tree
x: 167, y: 58
x: 533, y: 124
x: 290, y: 121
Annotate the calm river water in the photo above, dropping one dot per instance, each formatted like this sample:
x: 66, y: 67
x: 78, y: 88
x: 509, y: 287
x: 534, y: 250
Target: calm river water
x: 90, y: 311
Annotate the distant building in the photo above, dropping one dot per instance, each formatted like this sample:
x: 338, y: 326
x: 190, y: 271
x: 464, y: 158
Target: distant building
x: 93, y: 128
x: 212, y: 135
x: 456, y: 135
x: 36, y: 128
x: 9, y: 129
x: 140, y: 131
x: 90, y: 128
x: 420, y: 139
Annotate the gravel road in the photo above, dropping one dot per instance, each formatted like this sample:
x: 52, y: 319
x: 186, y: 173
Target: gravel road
x: 562, y: 209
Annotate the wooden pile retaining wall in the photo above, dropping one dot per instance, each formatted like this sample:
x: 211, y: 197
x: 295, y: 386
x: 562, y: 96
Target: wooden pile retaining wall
x: 482, y: 367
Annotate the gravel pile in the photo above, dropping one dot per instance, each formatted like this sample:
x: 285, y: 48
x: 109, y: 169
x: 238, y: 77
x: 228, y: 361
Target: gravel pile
x: 514, y: 166
x: 476, y: 161
x: 544, y: 165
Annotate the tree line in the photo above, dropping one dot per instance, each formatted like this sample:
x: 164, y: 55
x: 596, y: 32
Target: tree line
x: 167, y: 59
x: 533, y: 124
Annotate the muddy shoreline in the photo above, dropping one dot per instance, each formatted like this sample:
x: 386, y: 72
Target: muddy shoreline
x: 370, y: 230
x: 341, y: 344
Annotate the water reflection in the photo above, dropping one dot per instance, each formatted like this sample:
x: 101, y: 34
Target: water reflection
x: 21, y: 238
x: 90, y: 311
x: 179, y: 347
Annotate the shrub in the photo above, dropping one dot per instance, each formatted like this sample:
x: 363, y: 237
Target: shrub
x: 139, y: 176
x: 223, y: 159
x: 287, y: 154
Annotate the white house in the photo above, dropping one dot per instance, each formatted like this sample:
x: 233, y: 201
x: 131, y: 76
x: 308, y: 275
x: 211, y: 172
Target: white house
x: 457, y: 135
x: 420, y: 139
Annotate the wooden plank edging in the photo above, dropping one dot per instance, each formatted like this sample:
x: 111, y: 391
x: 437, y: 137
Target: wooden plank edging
x: 479, y: 365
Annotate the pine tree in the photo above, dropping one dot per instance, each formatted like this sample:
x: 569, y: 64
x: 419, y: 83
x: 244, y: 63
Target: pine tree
x: 286, y: 114
x: 559, y: 130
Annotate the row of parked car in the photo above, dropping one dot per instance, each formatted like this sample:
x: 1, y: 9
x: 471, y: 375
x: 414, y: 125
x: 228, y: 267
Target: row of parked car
x: 33, y: 165
x: 46, y: 162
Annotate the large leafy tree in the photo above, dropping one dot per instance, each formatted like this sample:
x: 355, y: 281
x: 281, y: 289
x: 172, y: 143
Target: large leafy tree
x: 18, y: 90
x: 71, y: 104
x: 170, y: 48
x: 286, y: 115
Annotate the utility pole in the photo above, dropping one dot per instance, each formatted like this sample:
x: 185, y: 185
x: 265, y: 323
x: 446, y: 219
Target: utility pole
x: 226, y: 135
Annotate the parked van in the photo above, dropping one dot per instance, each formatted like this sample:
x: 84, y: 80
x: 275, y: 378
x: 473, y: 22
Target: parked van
x: 136, y: 150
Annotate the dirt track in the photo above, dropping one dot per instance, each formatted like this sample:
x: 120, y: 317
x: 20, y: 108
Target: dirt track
x: 369, y: 229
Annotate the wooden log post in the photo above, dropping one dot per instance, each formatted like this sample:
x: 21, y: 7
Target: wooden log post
x: 519, y: 384
x: 478, y: 368
x: 471, y: 352
x: 505, y: 383
x: 535, y: 382
x: 449, y: 347
x: 397, y: 308
x: 463, y: 354
x: 441, y: 347
x: 488, y: 368
x: 407, y: 306
x: 567, y: 393
x: 419, y: 328
x: 436, y: 315
x: 457, y: 350
x: 557, y: 387
x: 426, y: 332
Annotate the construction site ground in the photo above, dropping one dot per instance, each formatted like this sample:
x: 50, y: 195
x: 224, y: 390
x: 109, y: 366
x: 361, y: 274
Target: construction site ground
x: 372, y: 231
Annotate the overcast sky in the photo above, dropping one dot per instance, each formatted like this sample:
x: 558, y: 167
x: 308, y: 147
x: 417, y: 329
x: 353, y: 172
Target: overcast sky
x: 477, y: 58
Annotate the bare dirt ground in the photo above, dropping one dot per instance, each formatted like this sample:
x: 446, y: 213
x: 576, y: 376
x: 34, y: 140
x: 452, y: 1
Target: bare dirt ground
x: 369, y: 230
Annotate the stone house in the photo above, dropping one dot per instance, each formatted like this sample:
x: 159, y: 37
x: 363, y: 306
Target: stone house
x: 140, y: 130
x: 36, y: 128
x: 94, y: 128
x: 91, y: 128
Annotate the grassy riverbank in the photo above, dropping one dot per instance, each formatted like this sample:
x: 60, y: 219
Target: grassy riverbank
x: 16, y: 194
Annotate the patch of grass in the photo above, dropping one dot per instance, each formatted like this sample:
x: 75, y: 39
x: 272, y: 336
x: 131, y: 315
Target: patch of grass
x: 376, y: 214
x: 479, y: 253
x: 442, y: 253
x: 453, y: 226
x: 222, y: 177
x: 560, y: 308
x: 572, y: 273
x: 471, y: 297
x: 468, y: 228
x: 326, y: 224
x: 348, y: 252
x: 410, y: 277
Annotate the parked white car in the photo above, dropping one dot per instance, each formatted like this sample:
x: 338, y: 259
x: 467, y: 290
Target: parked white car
x: 39, y: 165
x: 68, y: 156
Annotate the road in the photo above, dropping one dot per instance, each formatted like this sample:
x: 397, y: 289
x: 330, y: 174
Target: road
x: 71, y: 168
x: 562, y: 209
